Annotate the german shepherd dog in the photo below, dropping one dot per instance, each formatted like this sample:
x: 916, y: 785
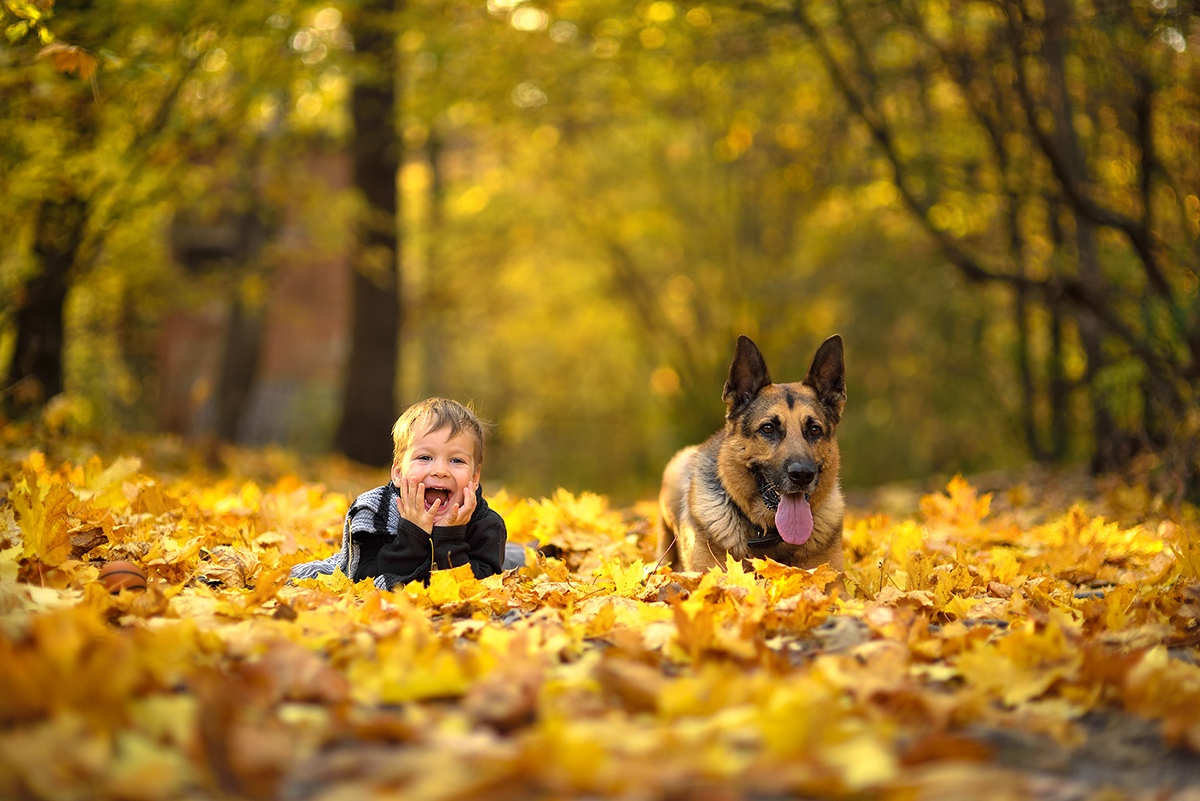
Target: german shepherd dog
x: 767, y: 483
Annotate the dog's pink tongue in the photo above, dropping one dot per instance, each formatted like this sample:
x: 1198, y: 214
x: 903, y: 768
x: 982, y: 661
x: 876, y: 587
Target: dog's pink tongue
x: 794, y: 519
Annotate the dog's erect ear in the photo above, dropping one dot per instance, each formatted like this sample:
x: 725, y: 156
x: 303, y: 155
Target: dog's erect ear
x: 747, y: 375
x: 827, y: 376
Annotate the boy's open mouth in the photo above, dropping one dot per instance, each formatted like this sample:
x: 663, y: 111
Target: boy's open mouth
x: 436, y: 493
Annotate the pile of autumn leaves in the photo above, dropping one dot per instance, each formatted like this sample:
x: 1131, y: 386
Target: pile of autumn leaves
x: 592, y: 672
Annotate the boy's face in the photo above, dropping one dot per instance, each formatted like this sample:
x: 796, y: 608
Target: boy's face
x: 445, y: 464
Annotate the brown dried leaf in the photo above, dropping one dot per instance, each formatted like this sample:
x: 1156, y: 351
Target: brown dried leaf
x: 230, y: 567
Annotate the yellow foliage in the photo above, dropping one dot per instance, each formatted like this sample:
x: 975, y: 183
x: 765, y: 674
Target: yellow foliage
x: 1025, y: 664
x: 961, y: 507
x: 42, y: 503
x: 446, y: 587
x: 1186, y: 545
x: 592, y: 672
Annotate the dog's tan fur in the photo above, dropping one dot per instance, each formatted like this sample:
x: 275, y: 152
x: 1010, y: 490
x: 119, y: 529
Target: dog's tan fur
x: 712, y: 501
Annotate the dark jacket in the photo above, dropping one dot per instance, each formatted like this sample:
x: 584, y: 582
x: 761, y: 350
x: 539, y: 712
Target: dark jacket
x: 377, y: 542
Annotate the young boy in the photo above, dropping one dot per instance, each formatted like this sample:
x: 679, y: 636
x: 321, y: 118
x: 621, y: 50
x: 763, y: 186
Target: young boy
x: 431, y: 515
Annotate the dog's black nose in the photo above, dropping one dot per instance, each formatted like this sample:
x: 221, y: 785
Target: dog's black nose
x: 802, y: 474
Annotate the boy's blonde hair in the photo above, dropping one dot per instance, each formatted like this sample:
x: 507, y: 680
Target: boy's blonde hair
x: 434, y: 414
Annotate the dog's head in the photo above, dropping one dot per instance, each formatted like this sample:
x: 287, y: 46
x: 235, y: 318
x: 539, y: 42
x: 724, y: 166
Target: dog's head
x: 782, y: 436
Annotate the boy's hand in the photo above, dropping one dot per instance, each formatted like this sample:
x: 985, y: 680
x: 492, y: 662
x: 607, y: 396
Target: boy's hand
x: 411, y: 504
x: 460, y: 514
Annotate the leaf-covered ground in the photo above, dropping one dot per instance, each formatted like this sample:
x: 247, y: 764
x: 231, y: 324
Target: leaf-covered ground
x: 1038, y: 641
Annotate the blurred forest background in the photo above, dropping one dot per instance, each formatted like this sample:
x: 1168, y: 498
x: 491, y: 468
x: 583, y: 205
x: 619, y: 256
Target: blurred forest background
x: 281, y: 222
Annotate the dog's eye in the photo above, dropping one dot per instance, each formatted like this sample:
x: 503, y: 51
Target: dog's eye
x: 815, y: 430
x: 767, y: 428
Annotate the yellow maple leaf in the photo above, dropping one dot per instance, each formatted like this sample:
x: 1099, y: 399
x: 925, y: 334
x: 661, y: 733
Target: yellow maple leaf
x: 337, y: 581
x: 1001, y: 566
x: 104, y: 486
x: 904, y: 539
x: 1160, y: 686
x: 152, y: 500
x: 448, y: 586
x: 1116, y: 604
x: 1024, y: 664
x: 960, y: 506
x: 168, y: 551
x: 602, y: 620
x: 736, y: 574
x: 1187, y: 555
x: 950, y: 580
x: 708, y: 689
x: 407, y: 671
x: 694, y: 628
x: 959, y: 607
x: 539, y: 565
x: 42, y: 504
x: 785, y: 581
x: 628, y: 580
x: 917, y: 571
x: 864, y: 759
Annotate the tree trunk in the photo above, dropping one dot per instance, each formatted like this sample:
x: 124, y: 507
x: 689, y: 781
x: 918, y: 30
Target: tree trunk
x: 238, y: 369
x: 369, y: 405
x: 1110, y: 451
x: 35, y: 373
x: 433, y: 346
x: 1025, y: 372
x: 1059, y: 389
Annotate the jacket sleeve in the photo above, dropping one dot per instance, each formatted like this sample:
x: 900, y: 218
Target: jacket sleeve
x: 485, y: 538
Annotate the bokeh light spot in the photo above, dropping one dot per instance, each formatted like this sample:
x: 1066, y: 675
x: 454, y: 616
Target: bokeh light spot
x: 664, y: 382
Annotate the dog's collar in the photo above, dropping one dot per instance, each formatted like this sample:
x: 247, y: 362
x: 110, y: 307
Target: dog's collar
x: 769, y: 539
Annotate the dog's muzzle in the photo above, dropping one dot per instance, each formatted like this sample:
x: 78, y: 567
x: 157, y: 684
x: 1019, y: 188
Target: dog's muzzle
x: 771, y: 497
x: 770, y: 493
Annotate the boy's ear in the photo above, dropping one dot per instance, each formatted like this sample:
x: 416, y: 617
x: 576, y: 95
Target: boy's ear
x: 396, y: 473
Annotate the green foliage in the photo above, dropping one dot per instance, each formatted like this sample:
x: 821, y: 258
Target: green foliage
x: 172, y: 122
x: 686, y: 163
x: 21, y: 19
x: 599, y: 197
x: 1038, y: 145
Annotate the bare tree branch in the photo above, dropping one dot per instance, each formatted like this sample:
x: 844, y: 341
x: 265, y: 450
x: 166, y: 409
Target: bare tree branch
x: 1136, y: 231
x: 1051, y: 290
